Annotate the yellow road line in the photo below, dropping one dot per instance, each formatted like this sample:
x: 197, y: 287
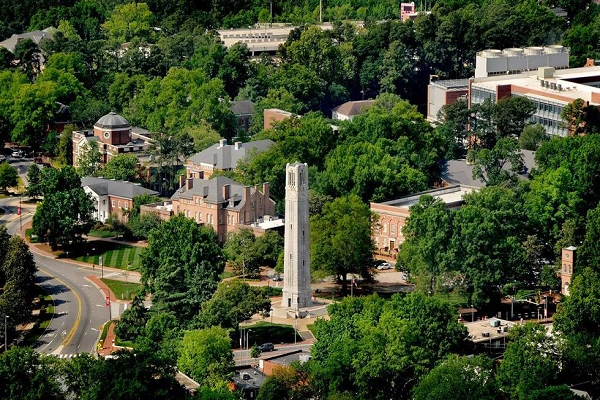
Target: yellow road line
x: 69, y: 337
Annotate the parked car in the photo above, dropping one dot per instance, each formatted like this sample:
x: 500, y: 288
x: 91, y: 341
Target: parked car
x: 277, y: 278
x: 266, y: 347
x: 384, y: 266
x: 2, y: 158
x: 17, y: 153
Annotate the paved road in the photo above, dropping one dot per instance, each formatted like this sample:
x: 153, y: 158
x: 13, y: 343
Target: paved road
x: 80, y: 308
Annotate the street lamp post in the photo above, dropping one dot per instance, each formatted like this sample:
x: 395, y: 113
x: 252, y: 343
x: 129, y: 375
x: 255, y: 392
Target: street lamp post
x: 248, y: 342
x: 271, y: 312
x: 101, y: 267
x: 5, y: 332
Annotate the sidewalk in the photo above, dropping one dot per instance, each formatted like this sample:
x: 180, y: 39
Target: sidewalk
x: 108, y: 345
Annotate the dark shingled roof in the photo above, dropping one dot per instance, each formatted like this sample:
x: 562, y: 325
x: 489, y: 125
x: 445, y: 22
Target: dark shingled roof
x: 227, y: 157
x: 112, y: 121
x: 351, y: 108
x: 242, y: 107
x: 35, y: 36
x: 211, y: 190
x: 126, y: 190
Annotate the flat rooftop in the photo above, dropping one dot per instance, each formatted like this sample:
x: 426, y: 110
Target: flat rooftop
x: 483, y: 331
x: 451, y: 195
x: 565, y: 77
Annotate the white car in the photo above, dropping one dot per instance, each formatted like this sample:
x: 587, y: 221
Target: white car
x: 384, y: 266
x: 17, y: 154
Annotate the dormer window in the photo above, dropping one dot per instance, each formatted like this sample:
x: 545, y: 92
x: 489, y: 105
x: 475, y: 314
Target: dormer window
x: 106, y: 135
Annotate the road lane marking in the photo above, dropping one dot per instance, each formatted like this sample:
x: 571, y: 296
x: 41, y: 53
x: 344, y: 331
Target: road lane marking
x: 70, y: 335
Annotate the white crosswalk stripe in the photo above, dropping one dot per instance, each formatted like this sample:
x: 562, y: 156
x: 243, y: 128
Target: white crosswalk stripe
x: 67, y: 355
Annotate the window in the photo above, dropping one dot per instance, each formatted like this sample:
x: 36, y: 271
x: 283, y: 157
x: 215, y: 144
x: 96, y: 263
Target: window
x: 220, y: 219
x: 119, y: 203
x: 113, y: 203
x: 260, y: 200
x: 127, y: 205
x: 207, y: 218
x: 385, y: 228
x: 393, y: 229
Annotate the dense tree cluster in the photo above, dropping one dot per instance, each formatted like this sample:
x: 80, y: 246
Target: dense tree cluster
x: 17, y: 279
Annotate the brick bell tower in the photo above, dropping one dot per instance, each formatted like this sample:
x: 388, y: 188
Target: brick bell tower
x: 567, y: 267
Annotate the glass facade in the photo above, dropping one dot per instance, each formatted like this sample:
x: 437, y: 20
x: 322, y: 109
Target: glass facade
x: 479, y: 95
x: 548, y: 115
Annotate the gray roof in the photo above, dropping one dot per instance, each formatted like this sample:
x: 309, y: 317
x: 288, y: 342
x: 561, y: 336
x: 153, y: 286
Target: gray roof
x: 458, y: 172
x: 452, y: 83
x: 226, y: 156
x: 112, y: 121
x: 126, y: 190
x: 242, y: 107
x: 211, y: 191
x: 35, y: 36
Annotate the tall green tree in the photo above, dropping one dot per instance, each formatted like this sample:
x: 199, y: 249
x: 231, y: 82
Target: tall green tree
x: 89, y: 160
x: 181, y: 266
x: 133, y: 321
x: 128, y: 21
x: 340, y: 239
x: 66, y: 212
x: 233, y: 302
x: 530, y: 349
x: 241, y: 252
x: 34, y: 181
x: 122, y: 167
x: 23, y: 369
x: 8, y: 176
x: 458, y: 378
x: 206, y: 356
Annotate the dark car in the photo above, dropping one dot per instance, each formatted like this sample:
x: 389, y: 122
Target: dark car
x: 277, y: 278
x: 266, y: 347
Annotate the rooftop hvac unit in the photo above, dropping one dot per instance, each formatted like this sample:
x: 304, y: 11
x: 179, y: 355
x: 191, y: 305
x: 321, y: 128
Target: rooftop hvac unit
x: 560, y: 88
x: 541, y: 82
x: 485, y: 334
x: 494, y: 323
x: 553, y: 86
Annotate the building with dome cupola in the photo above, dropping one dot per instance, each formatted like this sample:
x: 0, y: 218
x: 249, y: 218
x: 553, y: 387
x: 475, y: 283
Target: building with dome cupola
x: 114, y: 135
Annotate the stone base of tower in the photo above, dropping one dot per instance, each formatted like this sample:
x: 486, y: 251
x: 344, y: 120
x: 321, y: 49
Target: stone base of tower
x: 296, y: 299
x: 316, y: 309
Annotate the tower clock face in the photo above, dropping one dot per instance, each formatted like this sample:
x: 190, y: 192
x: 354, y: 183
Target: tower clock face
x: 567, y: 255
x: 106, y: 135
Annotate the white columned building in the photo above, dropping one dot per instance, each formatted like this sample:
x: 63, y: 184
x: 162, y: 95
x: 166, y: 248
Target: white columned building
x: 296, y: 278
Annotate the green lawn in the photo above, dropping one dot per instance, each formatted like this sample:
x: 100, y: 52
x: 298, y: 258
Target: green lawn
x: 454, y: 298
x: 122, y: 290
x: 102, y: 234
x: 114, y: 255
x: 28, y: 233
x: 105, y: 331
x: 264, y: 332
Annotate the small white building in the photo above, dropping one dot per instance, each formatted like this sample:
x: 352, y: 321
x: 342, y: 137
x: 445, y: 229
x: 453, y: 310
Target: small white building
x: 350, y: 109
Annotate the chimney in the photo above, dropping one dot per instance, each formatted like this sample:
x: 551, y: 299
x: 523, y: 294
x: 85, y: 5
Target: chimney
x: 225, y: 191
x: 266, y: 191
x: 238, y: 145
x: 181, y: 181
x: 222, y: 143
x: 189, y: 183
x: 246, y: 194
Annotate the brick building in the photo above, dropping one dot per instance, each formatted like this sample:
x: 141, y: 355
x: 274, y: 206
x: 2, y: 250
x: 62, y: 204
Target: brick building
x: 222, y: 157
x: 219, y: 202
x: 114, y: 135
x: 111, y: 196
x: 393, y: 214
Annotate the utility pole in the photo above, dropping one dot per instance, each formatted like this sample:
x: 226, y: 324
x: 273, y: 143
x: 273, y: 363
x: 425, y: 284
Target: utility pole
x: 5, y: 332
x: 321, y: 11
x: 271, y: 10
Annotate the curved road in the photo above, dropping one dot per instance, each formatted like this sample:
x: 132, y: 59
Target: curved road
x: 80, y: 307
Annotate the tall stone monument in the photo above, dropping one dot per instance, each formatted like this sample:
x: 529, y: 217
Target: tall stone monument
x: 296, y: 266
